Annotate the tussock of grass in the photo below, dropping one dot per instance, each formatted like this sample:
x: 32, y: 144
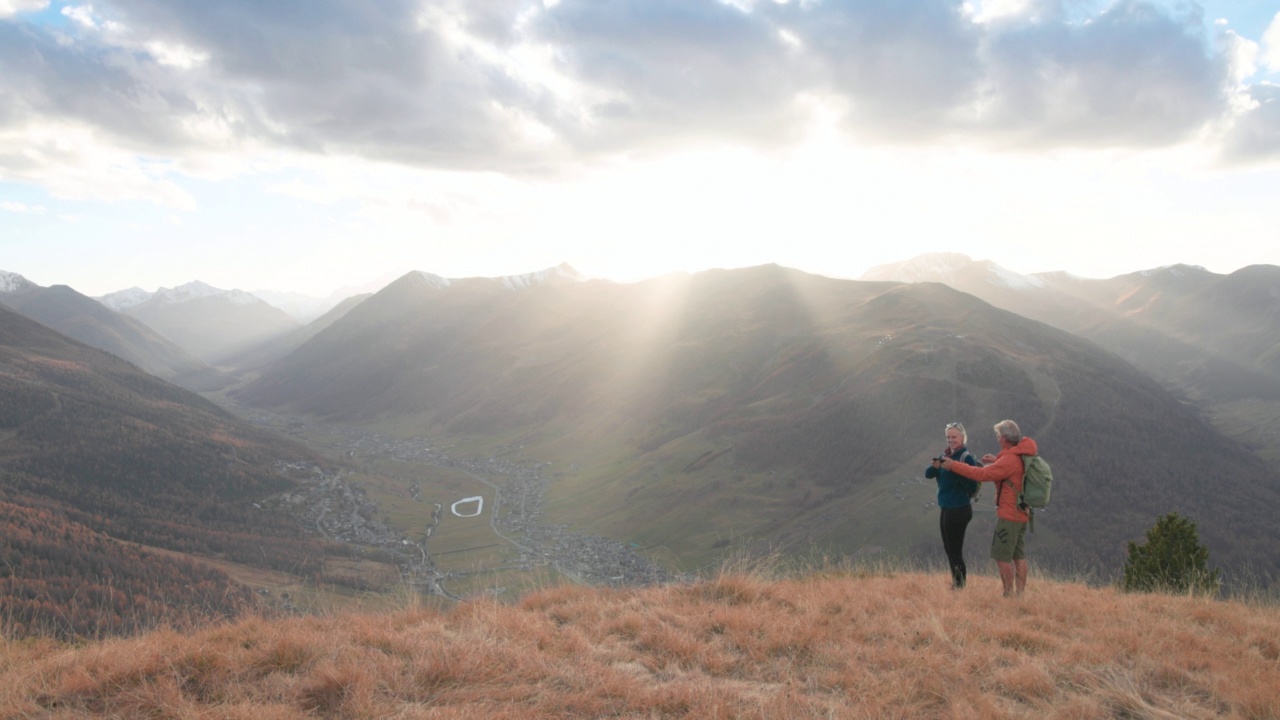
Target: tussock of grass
x: 741, y: 645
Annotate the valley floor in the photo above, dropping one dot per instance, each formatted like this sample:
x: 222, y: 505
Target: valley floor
x: 336, y: 507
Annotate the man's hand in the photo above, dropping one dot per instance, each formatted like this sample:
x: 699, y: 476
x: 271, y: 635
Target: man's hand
x: 988, y: 459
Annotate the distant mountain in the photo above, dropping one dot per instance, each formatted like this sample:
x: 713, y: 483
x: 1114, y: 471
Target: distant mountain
x: 122, y: 300
x: 1235, y: 316
x: 952, y: 269
x: 106, y: 472
x: 766, y: 404
x: 13, y: 283
x: 561, y: 274
x: 1212, y: 339
x: 260, y: 356
x: 1203, y: 333
x: 306, y: 308
x: 264, y: 355
x: 209, y: 323
x: 84, y: 319
x: 300, y: 307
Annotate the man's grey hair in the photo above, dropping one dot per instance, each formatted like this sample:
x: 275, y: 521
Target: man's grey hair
x: 1009, y: 432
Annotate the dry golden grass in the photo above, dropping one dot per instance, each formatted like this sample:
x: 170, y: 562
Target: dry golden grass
x: 825, y: 645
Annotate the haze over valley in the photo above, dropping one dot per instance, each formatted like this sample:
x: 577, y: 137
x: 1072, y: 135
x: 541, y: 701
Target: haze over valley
x: 480, y: 435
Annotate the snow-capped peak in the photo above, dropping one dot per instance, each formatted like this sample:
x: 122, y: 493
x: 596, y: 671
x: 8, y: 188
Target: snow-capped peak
x: 1009, y: 278
x: 194, y: 290
x: 433, y: 281
x: 1178, y: 270
x: 563, y: 272
x: 197, y: 290
x: 932, y: 267
x: 240, y: 297
x: 122, y: 300
x: 13, y: 282
x: 946, y: 268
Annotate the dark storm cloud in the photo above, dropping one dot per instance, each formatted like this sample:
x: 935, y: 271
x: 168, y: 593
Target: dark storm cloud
x: 393, y: 80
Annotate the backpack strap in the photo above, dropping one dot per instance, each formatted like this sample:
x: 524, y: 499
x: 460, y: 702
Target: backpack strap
x: 1030, y: 511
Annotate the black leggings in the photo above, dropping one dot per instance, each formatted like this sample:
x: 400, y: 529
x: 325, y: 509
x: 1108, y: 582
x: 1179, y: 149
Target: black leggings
x: 953, y: 522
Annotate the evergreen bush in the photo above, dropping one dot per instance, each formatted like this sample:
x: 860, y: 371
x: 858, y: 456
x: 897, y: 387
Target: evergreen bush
x: 1171, y: 560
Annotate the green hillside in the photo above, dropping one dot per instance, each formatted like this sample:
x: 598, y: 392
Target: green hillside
x: 691, y: 415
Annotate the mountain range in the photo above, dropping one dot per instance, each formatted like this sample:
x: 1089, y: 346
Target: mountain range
x: 790, y: 403
x: 1211, y: 339
x: 91, y: 322
x: 210, y: 323
x: 760, y: 409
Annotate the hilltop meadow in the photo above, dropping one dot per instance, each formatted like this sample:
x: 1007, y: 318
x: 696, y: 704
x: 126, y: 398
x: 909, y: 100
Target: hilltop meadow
x: 830, y: 643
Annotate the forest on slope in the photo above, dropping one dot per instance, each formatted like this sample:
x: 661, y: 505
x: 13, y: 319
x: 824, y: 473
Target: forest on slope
x: 103, y: 466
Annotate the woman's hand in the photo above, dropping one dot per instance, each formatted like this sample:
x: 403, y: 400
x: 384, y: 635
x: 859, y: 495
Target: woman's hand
x: 988, y: 459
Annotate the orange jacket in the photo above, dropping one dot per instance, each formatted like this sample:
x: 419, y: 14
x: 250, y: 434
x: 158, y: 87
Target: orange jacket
x: 1006, y: 473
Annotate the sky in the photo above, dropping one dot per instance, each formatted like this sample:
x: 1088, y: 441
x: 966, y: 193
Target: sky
x: 308, y: 146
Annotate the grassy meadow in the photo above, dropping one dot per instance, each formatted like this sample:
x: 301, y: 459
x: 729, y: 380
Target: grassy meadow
x: 743, y: 644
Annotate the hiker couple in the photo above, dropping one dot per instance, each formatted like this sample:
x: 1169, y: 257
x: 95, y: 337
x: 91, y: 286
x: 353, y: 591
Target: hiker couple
x: 958, y: 475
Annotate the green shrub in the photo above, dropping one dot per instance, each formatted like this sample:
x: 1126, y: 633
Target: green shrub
x: 1171, y: 560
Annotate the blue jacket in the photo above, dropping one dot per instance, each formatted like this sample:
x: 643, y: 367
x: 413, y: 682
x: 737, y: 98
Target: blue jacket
x: 954, y: 491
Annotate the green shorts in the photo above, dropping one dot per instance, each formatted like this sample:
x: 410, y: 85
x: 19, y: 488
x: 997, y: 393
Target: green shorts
x: 1007, y: 543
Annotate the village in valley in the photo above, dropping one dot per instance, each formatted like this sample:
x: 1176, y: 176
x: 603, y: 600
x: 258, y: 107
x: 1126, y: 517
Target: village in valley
x: 338, y: 507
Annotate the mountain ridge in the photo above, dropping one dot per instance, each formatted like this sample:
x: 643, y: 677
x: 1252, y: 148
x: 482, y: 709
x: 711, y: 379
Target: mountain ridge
x: 825, y: 392
x: 83, y: 318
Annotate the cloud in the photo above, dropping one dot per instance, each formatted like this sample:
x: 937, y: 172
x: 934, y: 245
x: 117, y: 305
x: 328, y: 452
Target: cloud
x: 671, y: 71
x: 1034, y: 74
x: 9, y: 8
x: 386, y: 80
x: 17, y: 207
x: 1271, y: 45
x: 899, y: 69
x: 529, y: 85
x: 71, y: 161
x: 1132, y: 76
x: 44, y: 80
x: 1255, y: 135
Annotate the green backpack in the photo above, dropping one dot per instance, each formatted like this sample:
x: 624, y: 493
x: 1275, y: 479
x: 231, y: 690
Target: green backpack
x: 1037, y: 481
